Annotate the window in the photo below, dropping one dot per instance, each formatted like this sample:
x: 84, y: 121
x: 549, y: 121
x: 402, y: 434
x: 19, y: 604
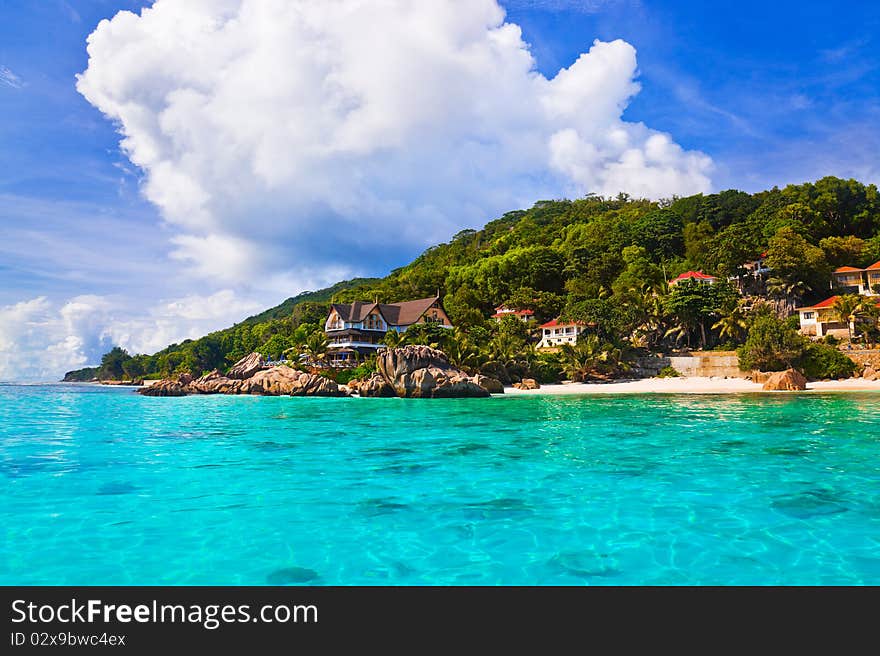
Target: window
x: 546, y: 331
x: 809, y: 315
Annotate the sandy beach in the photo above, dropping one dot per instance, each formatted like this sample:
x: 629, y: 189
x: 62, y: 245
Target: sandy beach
x: 693, y: 385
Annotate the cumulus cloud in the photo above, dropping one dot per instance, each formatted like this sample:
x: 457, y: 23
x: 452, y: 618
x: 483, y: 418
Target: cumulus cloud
x: 40, y: 339
x: 278, y: 135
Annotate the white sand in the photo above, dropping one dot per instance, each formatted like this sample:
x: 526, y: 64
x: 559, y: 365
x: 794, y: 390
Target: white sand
x: 692, y: 385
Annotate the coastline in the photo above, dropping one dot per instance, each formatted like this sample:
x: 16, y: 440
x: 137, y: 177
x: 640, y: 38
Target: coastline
x: 692, y: 385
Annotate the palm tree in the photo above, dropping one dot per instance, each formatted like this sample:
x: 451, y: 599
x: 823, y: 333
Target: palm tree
x: 653, y: 316
x: 868, y: 312
x: 733, y: 324
x: 591, y: 358
x: 393, y: 339
x: 787, y: 290
x: 462, y: 352
x: 845, y: 308
x: 315, y: 346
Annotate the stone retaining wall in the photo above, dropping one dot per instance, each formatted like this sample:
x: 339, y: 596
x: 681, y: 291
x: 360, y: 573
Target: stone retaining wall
x: 864, y: 357
x: 722, y: 364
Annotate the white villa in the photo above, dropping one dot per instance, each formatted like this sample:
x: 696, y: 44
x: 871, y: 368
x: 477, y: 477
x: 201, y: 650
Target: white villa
x: 554, y: 333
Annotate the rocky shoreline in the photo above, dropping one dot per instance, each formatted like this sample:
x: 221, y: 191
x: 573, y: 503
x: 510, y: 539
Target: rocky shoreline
x: 408, y: 372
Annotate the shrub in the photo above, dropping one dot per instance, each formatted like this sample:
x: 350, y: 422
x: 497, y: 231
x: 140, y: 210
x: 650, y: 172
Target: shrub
x: 772, y: 345
x: 364, y: 370
x: 668, y: 372
x: 546, y: 370
x: 825, y: 361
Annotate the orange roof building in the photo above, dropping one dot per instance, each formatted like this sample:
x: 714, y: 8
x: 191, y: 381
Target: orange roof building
x: 697, y: 276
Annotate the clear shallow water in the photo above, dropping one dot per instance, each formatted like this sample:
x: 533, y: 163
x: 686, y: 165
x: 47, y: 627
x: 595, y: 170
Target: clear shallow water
x: 102, y: 486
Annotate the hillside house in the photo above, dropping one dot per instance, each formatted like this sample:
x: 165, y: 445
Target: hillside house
x: 695, y: 276
x: 503, y: 311
x: 758, y: 267
x: 820, y: 319
x: 357, y: 329
x: 857, y: 281
x: 555, y: 333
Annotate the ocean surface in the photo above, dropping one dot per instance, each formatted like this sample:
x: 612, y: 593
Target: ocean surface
x: 102, y: 486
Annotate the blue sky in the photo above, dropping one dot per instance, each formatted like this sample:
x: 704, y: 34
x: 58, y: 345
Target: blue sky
x: 773, y: 93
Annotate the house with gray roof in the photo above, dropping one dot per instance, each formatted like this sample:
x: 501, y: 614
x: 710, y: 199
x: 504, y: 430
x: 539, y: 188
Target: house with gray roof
x: 356, y: 330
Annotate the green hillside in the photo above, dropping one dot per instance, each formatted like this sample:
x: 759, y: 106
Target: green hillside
x: 598, y: 260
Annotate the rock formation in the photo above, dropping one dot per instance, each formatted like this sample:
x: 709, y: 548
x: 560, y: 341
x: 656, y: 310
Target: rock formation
x: 276, y: 381
x: 423, y: 372
x: 411, y: 372
x: 246, y: 367
x: 284, y: 381
x: 375, y: 385
x: 491, y: 385
x: 164, y: 388
x: 789, y: 380
x: 215, y: 383
x: 527, y: 384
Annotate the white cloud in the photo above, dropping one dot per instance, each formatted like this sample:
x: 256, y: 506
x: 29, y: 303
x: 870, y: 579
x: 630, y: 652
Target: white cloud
x: 278, y: 135
x: 9, y: 78
x: 40, y: 340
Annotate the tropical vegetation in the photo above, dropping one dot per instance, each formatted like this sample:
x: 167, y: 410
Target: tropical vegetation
x: 601, y: 261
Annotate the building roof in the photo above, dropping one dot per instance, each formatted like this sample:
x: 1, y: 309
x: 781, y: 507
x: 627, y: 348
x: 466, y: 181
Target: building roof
x: 827, y: 303
x: 395, y: 314
x: 354, y: 312
x: 503, y: 311
x: 849, y: 269
x: 692, y: 275
x: 873, y: 267
x: 556, y: 323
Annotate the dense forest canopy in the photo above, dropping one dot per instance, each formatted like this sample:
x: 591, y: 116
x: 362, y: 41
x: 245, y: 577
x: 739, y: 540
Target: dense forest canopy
x: 605, y: 261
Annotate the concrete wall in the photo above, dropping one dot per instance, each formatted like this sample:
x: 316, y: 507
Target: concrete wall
x: 711, y: 363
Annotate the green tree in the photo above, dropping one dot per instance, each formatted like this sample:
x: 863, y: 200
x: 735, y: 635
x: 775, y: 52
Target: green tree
x: 691, y: 305
x: 660, y: 233
x: 797, y: 264
x: 823, y: 361
x: 393, y: 339
x: 772, y: 345
x: 591, y: 358
x: 733, y: 324
x: 133, y: 368
x: 111, y: 364
x: 315, y: 347
x: 844, y: 251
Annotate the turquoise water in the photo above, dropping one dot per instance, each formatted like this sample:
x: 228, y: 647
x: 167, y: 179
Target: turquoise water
x: 102, y: 486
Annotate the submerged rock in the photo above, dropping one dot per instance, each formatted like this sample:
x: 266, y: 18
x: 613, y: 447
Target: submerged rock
x: 290, y: 575
x: 790, y: 380
x: 424, y: 372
